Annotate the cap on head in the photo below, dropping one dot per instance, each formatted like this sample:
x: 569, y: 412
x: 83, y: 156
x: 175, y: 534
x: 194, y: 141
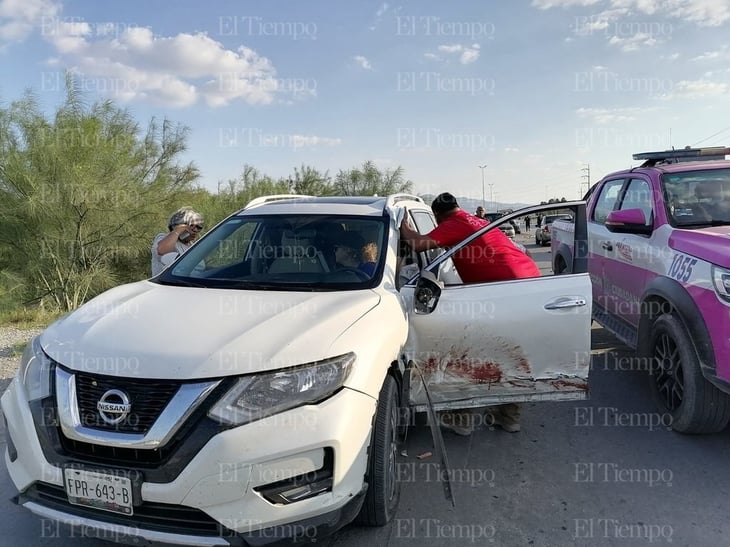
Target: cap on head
x: 443, y: 203
x: 184, y: 215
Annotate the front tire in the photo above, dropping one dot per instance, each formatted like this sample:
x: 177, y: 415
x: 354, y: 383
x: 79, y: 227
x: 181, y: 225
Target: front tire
x: 677, y: 384
x: 383, y: 494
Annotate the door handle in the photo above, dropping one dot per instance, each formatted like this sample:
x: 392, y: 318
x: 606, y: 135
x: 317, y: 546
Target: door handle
x: 607, y: 245
x: 566, y: 302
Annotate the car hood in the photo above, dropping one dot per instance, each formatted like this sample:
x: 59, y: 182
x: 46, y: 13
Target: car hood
x: 148, y: 330
x: 710, y: 244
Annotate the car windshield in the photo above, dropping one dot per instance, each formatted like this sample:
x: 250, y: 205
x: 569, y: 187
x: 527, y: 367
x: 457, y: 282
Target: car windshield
x: 698, y: 198
x: 285, y: 252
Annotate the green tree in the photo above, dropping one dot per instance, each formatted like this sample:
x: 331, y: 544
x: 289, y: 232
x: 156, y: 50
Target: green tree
x: 81, y: 195
x: 369, y: 180
x: 309, y: 181
x: 250, y: 184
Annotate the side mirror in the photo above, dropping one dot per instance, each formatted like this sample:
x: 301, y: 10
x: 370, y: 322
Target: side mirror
x: 427, y: 294
x: 168, y: 258
x: 628, y: 221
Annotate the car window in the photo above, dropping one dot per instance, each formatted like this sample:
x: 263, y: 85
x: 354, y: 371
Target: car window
x: 447, y: 273
x: 424, y: 224
x: 638, y: 195
x: 606, y: 201
x: 286, y: 252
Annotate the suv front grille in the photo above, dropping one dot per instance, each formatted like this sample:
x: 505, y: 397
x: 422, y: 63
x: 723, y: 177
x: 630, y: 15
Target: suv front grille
x: 147, y: 398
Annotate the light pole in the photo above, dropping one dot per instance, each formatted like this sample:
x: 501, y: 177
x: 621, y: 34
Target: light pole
x: 484, y: 202
x: 491, y: 195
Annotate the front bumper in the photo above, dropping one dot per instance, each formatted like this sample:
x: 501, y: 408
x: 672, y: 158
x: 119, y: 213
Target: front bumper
x: 305, y: 531
x: 221, y: 483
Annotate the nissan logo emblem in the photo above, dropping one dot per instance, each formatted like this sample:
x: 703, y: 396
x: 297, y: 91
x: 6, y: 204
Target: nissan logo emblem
x: 114, y: 406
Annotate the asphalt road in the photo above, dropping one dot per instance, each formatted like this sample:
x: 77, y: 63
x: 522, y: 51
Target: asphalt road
x: 601, y: 472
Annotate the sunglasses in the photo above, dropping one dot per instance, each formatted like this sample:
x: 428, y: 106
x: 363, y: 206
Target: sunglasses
x: 198, y: 226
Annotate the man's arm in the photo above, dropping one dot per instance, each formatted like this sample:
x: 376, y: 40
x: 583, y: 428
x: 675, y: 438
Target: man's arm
x: 168, y: 243
x: 417, y: 241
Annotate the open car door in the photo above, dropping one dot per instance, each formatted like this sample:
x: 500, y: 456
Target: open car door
x: 510, y: 341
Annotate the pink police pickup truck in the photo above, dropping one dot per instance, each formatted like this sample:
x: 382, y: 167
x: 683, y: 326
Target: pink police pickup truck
x: 658, y: 252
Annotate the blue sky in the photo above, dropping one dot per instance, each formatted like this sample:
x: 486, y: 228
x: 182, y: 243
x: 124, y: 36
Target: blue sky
x: 535, y: 89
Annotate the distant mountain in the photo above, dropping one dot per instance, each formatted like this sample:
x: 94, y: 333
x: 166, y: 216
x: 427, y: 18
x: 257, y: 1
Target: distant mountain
x: 471, y: 204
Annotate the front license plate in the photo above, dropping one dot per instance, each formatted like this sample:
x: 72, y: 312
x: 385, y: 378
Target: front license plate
x: 99, y: 490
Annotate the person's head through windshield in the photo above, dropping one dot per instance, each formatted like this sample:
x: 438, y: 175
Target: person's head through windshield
x: 480, y: 212
x: 347, y: 250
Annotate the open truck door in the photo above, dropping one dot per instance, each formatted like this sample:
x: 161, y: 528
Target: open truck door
x: 473, y: 345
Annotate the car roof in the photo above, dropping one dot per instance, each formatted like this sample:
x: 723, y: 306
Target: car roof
x: 334, y: 205
x: 676, y: 167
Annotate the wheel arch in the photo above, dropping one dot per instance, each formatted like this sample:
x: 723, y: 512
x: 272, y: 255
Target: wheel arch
x: 564, y: 253
x: 665, y: 295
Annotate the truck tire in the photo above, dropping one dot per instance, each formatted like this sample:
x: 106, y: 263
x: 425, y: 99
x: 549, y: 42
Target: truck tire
x: 383, y: 494
x: 677, y: 384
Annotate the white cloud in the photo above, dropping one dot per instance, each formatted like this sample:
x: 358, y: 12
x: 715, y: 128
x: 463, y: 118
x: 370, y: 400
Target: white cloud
x: 379, y: 13
x: 694, y: 89
x: 451, y: 48
x: 635, y: 42
x: 363, y: 62
x: 706, y: 13
x: 310, y: 141
x: 722, y: 53
x: 609, y: 115
x: 467, y: 54
x: 670, y: 57
x: 547, y: 4
x: 18, y: 18
x: 176, y: 71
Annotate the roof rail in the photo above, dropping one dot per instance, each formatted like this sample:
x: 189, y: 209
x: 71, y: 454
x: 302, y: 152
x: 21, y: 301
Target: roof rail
x: 261, y: 200
x: 683, y: 154
x: 395, y: 198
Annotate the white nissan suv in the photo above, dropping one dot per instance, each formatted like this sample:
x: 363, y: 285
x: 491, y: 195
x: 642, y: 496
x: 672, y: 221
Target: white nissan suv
x: 255, y: 390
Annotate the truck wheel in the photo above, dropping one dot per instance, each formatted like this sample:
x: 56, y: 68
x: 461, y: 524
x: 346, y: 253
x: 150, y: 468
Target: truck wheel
x: 677, y: 383
x: 383, y: 494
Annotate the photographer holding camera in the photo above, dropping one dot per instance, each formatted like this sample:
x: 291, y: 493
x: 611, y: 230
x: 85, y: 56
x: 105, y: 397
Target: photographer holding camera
x: 184, y: 226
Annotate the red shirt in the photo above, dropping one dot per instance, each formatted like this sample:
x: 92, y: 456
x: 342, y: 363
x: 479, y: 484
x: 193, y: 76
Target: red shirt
x: 490, y: 257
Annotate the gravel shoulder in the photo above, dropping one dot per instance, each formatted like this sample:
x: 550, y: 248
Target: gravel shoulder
x: 10, y: 337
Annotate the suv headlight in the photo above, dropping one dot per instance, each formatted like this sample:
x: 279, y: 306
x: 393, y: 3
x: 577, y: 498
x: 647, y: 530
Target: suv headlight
x: 34, y: 372
x: 721, y: 280
x: 257, y: 396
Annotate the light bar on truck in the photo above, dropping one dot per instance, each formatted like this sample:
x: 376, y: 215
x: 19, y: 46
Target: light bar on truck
x: 683, y: 154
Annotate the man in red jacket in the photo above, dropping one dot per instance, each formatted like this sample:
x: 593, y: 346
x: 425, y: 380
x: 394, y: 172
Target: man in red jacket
x: 490, y: 257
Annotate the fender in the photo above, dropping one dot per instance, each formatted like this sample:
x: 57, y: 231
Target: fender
x: 565, y: 252
x: 681, y: 304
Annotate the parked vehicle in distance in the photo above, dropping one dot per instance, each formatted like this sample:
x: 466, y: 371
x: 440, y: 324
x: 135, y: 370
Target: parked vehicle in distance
x: 257, y: 389
x: 659, y: 260
x: 508, y: 227
x: 542, y: 230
